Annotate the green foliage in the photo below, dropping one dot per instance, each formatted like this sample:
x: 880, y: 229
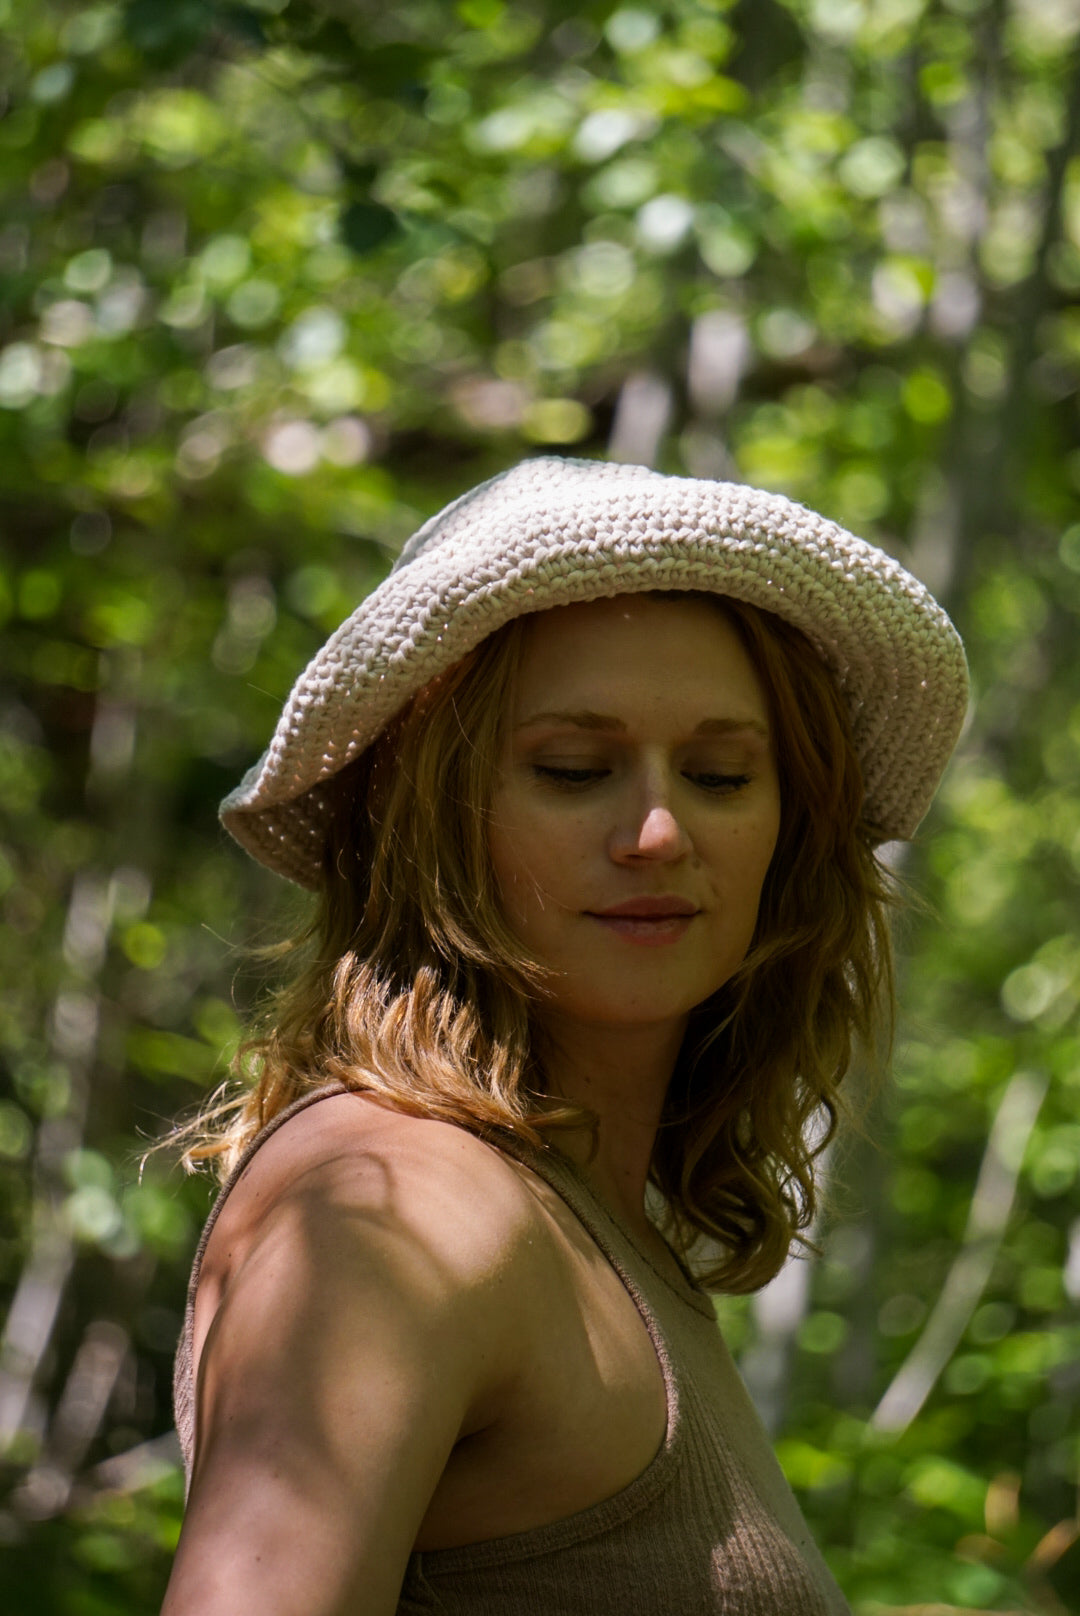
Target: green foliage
x: 278, y: 279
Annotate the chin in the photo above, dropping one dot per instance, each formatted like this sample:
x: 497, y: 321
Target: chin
x: 618, y: 1010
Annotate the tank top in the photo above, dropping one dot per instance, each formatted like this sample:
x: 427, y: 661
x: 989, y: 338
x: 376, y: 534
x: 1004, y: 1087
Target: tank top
x: 709, y: 1528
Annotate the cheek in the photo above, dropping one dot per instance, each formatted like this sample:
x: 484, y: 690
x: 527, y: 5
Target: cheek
x: 505, y: 860
x: 536, y: 859
x: 517, y: 857
x: 762, y: 863
x: 766, y: 833
x: 762, y: 846
x: 749, y: 856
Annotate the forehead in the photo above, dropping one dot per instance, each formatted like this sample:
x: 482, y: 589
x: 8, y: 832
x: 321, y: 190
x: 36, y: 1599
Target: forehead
x: 638, y: 647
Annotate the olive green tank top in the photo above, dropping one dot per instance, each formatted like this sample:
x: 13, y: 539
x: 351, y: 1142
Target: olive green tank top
x: 709, y: 1528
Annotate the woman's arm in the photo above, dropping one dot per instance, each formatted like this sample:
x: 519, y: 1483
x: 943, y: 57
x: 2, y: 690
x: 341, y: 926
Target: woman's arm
x: 352, y: 1326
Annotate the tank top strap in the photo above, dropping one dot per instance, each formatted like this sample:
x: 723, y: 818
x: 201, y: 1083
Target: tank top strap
x: 617, y: 1242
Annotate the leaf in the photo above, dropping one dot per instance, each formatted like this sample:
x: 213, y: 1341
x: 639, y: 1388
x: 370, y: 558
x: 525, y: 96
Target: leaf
x: 396, y: 70
x: 367, y: 225
x: 359, y: 177
x: 167, y: 32
x: 244, y: 24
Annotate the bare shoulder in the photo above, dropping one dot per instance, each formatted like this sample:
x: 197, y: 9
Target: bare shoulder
x: 356, y: 1158
x: 351, y: 1179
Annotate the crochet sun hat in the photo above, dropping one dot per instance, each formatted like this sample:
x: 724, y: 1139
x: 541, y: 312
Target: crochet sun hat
x: 550, y: 532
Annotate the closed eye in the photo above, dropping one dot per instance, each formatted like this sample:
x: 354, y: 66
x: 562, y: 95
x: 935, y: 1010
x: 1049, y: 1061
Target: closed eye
x: 719, y: 784
x: 566, y: 778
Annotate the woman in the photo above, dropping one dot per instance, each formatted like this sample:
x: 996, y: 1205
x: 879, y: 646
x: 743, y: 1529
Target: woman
x: 588, y: 790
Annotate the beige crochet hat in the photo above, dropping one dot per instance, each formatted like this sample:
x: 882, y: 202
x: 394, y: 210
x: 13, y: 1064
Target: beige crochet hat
x: 553, y: 531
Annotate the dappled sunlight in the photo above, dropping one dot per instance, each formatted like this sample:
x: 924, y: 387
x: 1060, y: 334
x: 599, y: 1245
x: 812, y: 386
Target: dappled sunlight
x: 279, y: 280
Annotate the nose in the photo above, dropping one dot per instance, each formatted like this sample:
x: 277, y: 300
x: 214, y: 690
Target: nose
x: 653, y: 834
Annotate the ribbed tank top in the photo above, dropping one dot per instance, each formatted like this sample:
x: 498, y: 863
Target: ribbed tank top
x: 709, y: 1528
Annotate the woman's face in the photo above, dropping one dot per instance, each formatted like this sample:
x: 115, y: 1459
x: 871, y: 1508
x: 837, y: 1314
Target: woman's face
x: 636, y: 806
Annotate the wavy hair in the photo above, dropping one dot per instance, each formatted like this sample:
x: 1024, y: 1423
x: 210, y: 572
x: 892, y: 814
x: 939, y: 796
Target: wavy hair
x: 409, y: 985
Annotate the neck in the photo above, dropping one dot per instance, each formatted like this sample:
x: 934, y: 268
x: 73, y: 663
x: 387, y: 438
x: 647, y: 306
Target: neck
x: 622, y: 1076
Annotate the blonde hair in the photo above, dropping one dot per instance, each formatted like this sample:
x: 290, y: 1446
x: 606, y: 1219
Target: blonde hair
x: 412, y: 987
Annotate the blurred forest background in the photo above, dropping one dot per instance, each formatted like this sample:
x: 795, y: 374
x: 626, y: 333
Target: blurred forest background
x: 277, y: 279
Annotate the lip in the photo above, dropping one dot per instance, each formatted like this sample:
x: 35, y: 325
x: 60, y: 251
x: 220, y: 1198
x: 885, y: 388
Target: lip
x: 665, y: 906
x: 648, y: 922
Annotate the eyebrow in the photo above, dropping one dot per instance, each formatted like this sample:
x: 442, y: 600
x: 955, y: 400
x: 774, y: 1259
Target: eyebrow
x: 587, y: 720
